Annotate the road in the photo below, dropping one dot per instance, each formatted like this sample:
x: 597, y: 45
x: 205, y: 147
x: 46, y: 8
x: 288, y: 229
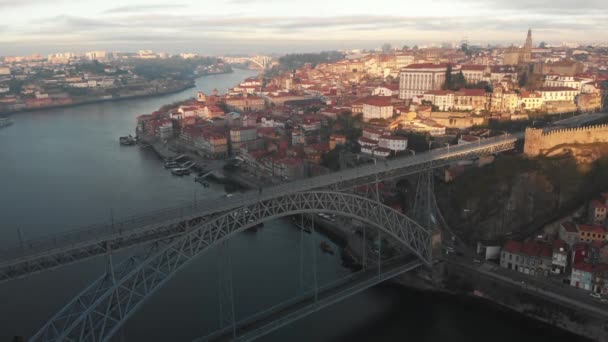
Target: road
x: 561, y: 293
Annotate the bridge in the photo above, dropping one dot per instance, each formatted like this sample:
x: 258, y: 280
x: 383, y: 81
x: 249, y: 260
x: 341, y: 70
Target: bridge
x: 261, y: 61
x: 175, y: 236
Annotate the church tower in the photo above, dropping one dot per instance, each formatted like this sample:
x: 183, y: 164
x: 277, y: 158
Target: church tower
x: 526, y: 52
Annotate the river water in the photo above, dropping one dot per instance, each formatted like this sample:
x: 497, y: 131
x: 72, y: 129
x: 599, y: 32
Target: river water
x: 62, y: 169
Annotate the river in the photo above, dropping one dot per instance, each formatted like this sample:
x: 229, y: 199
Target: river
x: 63, y: 168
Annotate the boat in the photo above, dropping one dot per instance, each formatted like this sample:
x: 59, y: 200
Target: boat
x: 171, y: 165
x: 5, y: 122
x: 180, y: 171
x: 325, y: 247
x: 127, y: 141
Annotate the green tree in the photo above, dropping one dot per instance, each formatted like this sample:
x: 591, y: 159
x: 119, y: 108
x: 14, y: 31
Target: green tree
x: 523, y: 79
x: 542, y: 45
x: 415, y: 47
x: 458, y: 81
x: 447, y: 84
x: 386, y: 47
x: 406, y: 47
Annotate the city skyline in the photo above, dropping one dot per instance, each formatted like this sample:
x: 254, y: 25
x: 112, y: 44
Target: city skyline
x: 269, y: 26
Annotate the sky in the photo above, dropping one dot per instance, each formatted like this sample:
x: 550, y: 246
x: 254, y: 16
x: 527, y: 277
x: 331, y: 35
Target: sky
x: 279, y: 26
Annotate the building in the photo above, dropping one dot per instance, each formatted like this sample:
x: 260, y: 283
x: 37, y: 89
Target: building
x: 560, y: 257
x: 597, y: 212
x: 531, y: 100
x: 393, y: 142
x: 443, y: 99
x: 377, y: 107
x: 533, y: 257
x: 474, y: 74
x: 568, y: 232
x: 589, y: 102
x: 589, y: 233
x: 245, y: 103
x: 336, y: 140
x: 165, y: 131
x: 239, y: 135
x: 470, y: 99
x: 386, y: 90
x: 514, y: 55
x: 416, y: 79
x: 590, y: 277
x: 558, y: 94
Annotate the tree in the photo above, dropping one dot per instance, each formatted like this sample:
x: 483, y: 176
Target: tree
x: 386, y: 47
x: 447, y: 84
x: 406, y: 47
x: 542, y: 45
x: 415, y: 47
x: 523, y: 79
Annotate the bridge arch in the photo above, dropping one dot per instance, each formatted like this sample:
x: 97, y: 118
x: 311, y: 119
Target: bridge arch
x: 101, y: 309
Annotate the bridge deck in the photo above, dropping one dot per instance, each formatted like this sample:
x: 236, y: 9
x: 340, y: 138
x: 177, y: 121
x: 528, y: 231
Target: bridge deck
x: 279, y: 316
x: 78, y: 244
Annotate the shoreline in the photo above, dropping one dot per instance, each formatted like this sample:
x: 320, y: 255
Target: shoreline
x: 114, y: 99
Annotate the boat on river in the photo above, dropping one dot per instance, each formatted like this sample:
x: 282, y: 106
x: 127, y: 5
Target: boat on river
x: 180, y: 171
x: 127, y: 141
x: 326, y: 248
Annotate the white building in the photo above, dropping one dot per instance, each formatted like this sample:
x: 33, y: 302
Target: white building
x: 377, y: 107
x: 475, y: 73
x: 443, y: 99
x: 166, y: 131
x: 531, y: 100
x: 558, y: 93
x: 559, y: 81
x: 416, y: 79
x: 393, y: 142
x: 386, y: 90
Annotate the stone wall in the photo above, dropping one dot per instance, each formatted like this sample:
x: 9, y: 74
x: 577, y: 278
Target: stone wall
x: 538, y: 142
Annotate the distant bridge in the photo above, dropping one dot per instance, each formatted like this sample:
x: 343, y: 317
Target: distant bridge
x: 261, y: 61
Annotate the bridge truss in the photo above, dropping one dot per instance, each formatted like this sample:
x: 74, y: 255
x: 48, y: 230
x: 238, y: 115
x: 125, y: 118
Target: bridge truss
x: 99, y: 311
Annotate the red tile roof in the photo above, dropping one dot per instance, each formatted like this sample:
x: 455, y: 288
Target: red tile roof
x: 569, y: 226
x: 592, y: 228
x: 597, y: 204
x: 472, y: 92
x: 473, y: 67
x: 378, y: 101
x: 591, y: 268
x: 427, y: 66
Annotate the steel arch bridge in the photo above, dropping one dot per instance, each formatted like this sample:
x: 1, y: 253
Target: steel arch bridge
x: 101, y: 309
x: 261, y: 61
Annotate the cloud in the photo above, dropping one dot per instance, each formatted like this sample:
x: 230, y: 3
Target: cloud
x: 542, y: 7
x: 142, y: 8
x: 165, y: 29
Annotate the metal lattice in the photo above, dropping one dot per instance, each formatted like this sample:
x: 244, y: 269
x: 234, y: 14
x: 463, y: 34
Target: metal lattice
x: 98, y: 312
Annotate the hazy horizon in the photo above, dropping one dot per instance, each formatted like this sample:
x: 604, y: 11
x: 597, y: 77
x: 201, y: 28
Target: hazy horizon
x: 276, y: 26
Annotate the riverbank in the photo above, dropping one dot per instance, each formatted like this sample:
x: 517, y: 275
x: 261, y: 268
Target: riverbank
x: 189, y: 85
x: 100, y: 100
